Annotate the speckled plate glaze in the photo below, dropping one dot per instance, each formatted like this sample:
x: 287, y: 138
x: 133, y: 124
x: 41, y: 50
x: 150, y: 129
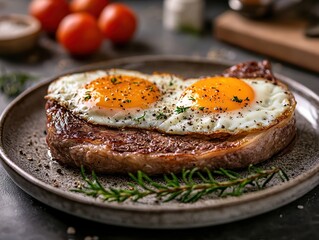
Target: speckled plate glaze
x: 25, y: 158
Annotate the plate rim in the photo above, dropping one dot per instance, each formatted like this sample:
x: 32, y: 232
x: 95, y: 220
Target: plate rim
x: 209, y: 203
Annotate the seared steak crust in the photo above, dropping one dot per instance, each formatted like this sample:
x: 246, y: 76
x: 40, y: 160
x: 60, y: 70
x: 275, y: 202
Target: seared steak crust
x: 251, y: 70
x: 76, y: 142
x: 68, y: 127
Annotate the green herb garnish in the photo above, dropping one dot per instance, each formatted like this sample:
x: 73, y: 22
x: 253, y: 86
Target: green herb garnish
x: 181, y: 109
x: 236, y: 99
x: 201, y: 108
x: 113, y: 80
x: 188, y: 187
x: 141, y: 118
x: 87, y: 96
x: 161, y: 115
x: 12, y: 84
x: 191, y: 98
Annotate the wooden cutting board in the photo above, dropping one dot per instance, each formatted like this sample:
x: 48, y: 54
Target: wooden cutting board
x: 282, y: 38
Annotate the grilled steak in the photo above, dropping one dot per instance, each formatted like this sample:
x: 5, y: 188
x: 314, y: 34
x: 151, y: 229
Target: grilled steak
x: 75, y: 142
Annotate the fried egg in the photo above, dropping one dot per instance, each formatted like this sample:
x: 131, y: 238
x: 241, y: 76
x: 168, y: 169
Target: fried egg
x: 164, y: 102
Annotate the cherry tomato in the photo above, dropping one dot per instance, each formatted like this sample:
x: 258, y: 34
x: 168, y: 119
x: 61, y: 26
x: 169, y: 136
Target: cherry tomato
x: 118, y: 23
x: 49, y: 13
x: 93, y: 7
x: 79, y: 34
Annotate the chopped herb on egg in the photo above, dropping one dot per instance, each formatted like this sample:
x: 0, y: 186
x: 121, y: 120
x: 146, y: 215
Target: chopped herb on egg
x: 247, y: 99
x: 201, y: 108
x: 181, y: 109
x: 161, y: 115
x: 236, y: 99
x: 141, y: 118
x: 127, y: 101
x: 87, y: 96
x: 113, y: 80
x: 191, y: 98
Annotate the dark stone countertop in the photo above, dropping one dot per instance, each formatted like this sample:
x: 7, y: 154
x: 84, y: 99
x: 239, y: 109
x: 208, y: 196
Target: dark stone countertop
x: 23, y: 217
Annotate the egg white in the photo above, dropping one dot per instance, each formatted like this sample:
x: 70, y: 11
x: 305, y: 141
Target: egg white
x: 69, y: 91
x: 270, y: 102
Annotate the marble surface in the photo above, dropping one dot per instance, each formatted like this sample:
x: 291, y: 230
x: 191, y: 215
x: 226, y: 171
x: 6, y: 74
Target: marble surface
x: 22, y: 217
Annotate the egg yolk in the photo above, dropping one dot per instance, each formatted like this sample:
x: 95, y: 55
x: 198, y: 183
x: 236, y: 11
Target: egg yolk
x: 220, y: 94
x: 121, y: 92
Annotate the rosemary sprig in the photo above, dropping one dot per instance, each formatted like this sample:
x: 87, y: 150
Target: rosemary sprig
x: 11, y: 84
x: 191, y: 186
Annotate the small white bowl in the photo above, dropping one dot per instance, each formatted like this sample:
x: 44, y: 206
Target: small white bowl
x: 18, y: 33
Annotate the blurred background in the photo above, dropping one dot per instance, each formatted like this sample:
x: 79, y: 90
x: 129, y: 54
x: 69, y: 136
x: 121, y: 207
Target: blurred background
x: 284, y: 31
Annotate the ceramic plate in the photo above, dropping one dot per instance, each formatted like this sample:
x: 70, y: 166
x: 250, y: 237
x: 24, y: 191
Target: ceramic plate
x: 25, y: 158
